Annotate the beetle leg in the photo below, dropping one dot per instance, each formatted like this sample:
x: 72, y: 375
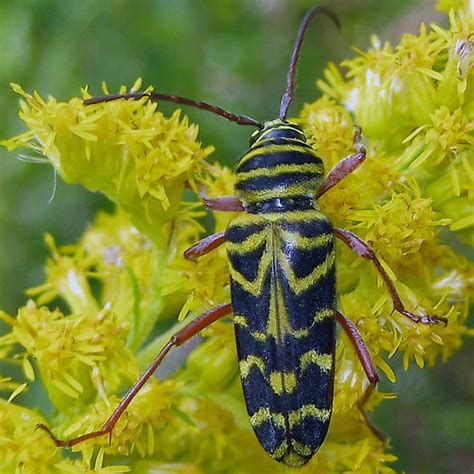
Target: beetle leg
x: 362, y: 353
x: 222, y: 203
x: 362, y: 249
x: 205, y: 245
x: 377, y: 432
x: 193, y: 328
x: 345, y: 166
x: 368, y: 365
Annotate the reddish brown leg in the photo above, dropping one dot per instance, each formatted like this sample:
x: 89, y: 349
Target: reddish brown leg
x: 367, y: 364
x: 205, y: 245
x: 345, y: 166
x: 362, y: 249
x: 193, y: 328
x: 362, y: 353
x: 223, y: 203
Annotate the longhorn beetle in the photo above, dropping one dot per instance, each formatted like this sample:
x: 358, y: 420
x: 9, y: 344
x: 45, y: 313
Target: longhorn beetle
x: 282, y: 266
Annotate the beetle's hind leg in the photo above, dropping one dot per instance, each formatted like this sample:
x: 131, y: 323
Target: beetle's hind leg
x: 368, y: 365
x: 190, y: 330
x: 363, y: 355
x: 362, y: 249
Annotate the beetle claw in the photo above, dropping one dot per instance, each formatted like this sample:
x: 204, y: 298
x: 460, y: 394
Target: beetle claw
x: 425, y: 319
x: 432, y: 319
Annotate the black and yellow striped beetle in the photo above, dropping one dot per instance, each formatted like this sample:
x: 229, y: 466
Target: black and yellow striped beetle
x: 282, y: 266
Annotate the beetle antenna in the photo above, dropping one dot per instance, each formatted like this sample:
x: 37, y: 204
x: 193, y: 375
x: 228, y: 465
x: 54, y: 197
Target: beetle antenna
x: 156, y: 96
x: 290, y: 82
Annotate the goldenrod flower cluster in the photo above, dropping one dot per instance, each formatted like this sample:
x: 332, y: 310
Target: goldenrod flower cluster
x: 125, y: 287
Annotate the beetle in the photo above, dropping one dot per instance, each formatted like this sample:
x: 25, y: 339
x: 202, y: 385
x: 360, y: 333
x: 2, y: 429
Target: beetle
x: 281, y: 253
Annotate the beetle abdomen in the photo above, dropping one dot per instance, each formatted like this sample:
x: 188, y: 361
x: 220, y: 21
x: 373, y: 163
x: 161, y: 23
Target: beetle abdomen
x: 283, y: 297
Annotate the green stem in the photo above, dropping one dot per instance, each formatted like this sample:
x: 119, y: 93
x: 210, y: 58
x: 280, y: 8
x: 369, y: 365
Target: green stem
x: 156, y: 303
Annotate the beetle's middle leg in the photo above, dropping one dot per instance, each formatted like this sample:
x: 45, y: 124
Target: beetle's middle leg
x: 361, y: 248
x: 368, y: 365
x: 205, y: 245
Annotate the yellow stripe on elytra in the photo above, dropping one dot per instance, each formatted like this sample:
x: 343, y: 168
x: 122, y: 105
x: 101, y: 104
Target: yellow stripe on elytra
x: 293, y: 459
x: 259, y: 336
x: 300, y: 285
x: 323, y: 361
x: 250, y: 244
x: 240, y: 321
x: 283, y: 382
x: 280, y: 450
x: 305, y: 243
x: 295, y: 456
x: 263, y: 415
x: 295, y: 417
x: 300, y: 333
x: 300, y: 448
x: 254, y: 287
x: 319, y: 316
x: 278, y: 323
x: 268, y: 150
x: 277, y: 170
x: 323, y: 314
x: 251, y: 361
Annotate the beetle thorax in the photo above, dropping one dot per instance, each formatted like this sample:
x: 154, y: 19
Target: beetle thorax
x: 280, y: 168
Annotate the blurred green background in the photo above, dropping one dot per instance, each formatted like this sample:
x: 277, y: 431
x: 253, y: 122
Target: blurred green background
x: 231, y: 53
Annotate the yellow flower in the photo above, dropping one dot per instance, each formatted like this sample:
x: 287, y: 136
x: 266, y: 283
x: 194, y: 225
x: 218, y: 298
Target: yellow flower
x: 446, y: 5
x: 420, y: 93
x: 125, y: 149
x: 136, y: 430
x: 23, y: 445
x: 66, y: 277
x: 203, y: 280
x: 70, y: 352
x: 127, y: 287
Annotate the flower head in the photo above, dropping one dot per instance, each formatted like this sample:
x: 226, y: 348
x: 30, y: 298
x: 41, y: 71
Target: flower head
x: 125, y: 149
x: 125, y: 288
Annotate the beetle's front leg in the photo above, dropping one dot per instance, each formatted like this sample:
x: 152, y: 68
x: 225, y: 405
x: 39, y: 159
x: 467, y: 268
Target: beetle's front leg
x: 345, y: 166
x: 362, y: 249
x: 222, y: 203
